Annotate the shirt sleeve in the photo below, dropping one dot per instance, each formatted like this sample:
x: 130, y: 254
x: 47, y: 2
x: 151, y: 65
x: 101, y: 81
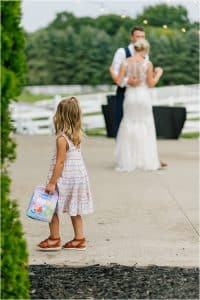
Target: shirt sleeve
x: 118, y: 59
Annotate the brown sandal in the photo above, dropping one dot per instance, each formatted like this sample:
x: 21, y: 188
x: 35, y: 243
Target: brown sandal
x: 163, y: 164
x: 69, y: 245
x: 45, y: 246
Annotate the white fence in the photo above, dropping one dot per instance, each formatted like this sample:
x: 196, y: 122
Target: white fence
x: 30, y: 119
x: 70, y: 89
x: 37, y: 118
x: 187, y: 96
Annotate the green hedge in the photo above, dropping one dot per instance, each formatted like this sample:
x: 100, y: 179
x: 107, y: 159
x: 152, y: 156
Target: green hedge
x: 14, y: 263
x: 15, y: 281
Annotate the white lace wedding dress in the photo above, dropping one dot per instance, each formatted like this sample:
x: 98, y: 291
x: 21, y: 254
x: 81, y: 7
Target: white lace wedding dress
x: 136, y: 145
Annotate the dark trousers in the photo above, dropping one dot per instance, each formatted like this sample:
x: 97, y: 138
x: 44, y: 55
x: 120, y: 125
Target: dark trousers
x: 119, y: 107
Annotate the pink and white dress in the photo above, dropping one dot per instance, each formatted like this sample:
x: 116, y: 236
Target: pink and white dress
x: 73, y: 184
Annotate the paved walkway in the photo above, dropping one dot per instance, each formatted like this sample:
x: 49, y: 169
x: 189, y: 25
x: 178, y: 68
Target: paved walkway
x: 140, y: 218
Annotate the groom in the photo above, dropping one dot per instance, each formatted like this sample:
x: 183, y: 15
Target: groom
x: 120, y: 55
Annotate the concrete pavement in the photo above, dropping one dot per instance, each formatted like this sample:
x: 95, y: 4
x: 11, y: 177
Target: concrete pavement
x: 140, y: 218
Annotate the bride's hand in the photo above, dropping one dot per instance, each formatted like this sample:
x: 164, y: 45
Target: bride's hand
x: 159, y: 71
x: 133, y: 81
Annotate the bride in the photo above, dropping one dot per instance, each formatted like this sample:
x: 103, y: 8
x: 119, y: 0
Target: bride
x: 136, y: 145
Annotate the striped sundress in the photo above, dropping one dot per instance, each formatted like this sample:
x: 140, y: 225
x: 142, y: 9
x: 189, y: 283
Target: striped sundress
x: 73, y: 184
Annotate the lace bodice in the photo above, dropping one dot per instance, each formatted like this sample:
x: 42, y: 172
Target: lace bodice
x: 136, y: 69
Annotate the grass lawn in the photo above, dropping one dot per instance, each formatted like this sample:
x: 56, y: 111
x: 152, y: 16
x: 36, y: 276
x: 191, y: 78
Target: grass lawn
x: 102, y: 132
x: 96, y: 132
x: 27, y: 97
x: 190, y: 135
x: 31, y: 98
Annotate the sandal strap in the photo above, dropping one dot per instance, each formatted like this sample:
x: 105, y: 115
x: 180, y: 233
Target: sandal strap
x: 70, y: 243
x: 79, y: 240
x: 45, y: 243
x: 53, y: 239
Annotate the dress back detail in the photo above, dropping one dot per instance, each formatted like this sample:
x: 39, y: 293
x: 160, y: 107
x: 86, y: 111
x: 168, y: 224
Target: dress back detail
x: 137, y: 69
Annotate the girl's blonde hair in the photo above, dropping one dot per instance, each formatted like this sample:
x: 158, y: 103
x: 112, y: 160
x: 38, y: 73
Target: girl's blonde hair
x: 141, y: 45
x: 67, y: 120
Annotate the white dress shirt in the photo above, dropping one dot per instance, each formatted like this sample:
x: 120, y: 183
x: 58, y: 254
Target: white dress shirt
x: 119, y: 58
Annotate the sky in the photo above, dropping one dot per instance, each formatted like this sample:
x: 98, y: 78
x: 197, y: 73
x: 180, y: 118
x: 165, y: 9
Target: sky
x: 39, y: 13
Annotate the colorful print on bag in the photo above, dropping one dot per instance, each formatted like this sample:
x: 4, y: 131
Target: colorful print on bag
x: 42, y: 205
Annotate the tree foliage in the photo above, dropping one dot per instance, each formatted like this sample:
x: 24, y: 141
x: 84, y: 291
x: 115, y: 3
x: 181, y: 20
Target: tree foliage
x: 79, y: 50
x: 160, y: 14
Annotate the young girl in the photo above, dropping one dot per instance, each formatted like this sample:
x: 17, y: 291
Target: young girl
x: 68, y: 175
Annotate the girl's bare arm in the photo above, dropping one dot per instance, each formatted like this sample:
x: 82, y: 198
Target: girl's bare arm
x: 61, y: 147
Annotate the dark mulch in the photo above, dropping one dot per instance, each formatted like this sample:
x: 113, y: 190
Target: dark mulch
x: 113, y: 282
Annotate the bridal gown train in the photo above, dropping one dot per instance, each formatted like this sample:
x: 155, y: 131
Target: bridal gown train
x: 136, y: 146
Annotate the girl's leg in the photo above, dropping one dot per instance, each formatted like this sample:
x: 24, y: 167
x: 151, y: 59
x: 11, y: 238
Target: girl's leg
x: 77, y: 223
x: 54, y: 229
x: 54, y: 238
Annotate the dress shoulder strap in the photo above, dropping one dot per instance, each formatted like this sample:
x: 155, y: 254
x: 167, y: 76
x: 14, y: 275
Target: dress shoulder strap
x: 66, y: 137
x: 70, y: 143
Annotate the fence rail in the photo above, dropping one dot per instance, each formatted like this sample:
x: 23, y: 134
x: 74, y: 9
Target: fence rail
x: 37, y: 118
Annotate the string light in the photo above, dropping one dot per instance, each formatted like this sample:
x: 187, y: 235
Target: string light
x: 145, y: 21
x: 102, y: 9
x: 123, y: 16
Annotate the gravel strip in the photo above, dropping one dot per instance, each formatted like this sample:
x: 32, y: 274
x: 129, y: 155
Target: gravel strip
x: 113, y: 282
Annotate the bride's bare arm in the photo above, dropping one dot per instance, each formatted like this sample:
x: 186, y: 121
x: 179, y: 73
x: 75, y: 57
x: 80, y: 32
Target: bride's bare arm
x: 118, y: 78
x: 153, y: 77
